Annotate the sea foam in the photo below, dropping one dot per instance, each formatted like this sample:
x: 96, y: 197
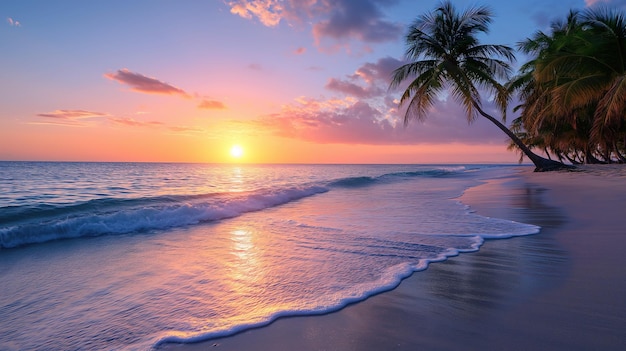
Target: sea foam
x: 122, y: 216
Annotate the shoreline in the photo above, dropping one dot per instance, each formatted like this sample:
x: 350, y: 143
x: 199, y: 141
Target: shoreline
x: 554, y: 290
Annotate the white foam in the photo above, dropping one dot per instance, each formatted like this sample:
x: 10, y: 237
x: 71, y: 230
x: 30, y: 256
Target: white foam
x: 123, y: 221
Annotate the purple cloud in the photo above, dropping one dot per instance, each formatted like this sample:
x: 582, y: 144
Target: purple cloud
x: 369, y: 81
x: 361, y: 20
x: 349, y: 88
x: 339, y: 20
x: 351, y: 121
x: 72, y: 114
x: 379, y: 71
x: 142, y: 84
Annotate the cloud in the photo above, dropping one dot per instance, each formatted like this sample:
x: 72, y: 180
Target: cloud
x: 337, y: 20
x: 371, y: 80
x: 142, y: 84
x: 367, y: 112
x: 613, y: 3
x: 350, y: 121
x: 185, y: 129
x: 269, y: 12
x: 70, y: 118
x: 72, y: 114
x: 83, y: 118
x: 349, y: 88
x: 131, y: 122
x: 590, y: 3
x: 299, y: 51
x: 13, y: 23
x: 361, y: 20
x: 379, y: 71
x: 211, y: 105
x: 126, y: 121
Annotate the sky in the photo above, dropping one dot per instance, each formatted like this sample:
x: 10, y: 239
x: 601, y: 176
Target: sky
x: 289, y: 81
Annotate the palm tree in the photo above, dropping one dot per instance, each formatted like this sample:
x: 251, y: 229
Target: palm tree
x: 445, y: 52
x: 577, y: 79
x: 600, y: 77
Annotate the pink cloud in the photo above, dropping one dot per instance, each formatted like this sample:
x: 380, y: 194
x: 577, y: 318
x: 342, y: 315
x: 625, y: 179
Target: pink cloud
x: 84, y: 118
x: 13, y: 23
x: 299, y: 51
x: 130, y: 122
x: 350, y: 121
x: 185, y: 129
x: 72, y: 114
x: 133, y: 122
x: 70, y: 118
x: 211, y: 105
x: 143, y: 84
x: 590, y: 3
x: 269, y: 12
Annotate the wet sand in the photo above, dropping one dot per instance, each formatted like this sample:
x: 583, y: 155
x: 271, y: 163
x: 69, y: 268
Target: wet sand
x: 562, y: 289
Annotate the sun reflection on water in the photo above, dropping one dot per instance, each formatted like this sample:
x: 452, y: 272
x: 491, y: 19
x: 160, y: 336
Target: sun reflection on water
x: 237, y: 181
x: 242, y: 242
x: 246, y: 267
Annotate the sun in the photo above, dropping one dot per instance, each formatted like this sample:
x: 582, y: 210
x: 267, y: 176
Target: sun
x: 236, y: 151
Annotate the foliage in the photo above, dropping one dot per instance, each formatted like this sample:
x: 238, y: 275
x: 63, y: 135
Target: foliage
x: 573, y: 89
x: 444, y: 53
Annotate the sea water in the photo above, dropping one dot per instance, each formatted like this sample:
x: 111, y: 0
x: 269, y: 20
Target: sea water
x: 127, y: 256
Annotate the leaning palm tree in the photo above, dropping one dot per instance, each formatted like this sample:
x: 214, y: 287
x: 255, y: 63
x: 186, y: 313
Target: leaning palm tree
x: 446, y: 53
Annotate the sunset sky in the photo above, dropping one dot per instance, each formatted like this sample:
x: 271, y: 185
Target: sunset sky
x: 293, y: 81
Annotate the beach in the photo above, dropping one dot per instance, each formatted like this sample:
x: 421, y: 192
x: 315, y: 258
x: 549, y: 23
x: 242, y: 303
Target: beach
x: 561, y: 289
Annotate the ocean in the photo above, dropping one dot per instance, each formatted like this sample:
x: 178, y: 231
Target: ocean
x: 128, y: 256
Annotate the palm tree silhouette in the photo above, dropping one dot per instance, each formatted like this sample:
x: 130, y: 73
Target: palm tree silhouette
x: 444, y: 51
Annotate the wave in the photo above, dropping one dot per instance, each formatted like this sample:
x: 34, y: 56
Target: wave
x: 363, y: 181
x: 29, y: 225
x: 389, y: 280
x: 353, y: 182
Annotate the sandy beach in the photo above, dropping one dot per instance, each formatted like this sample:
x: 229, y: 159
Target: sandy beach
x: 562, y: 289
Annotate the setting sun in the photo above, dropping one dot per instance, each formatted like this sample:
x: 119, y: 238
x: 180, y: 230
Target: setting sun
x: 236, y: 151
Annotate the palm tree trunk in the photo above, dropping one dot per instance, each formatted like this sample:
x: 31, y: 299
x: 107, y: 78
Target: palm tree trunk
x: 620, y: 157
x: 591, y: 159
x: 541, y: 164
x: 545, y: 150
x: 573, y: 161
